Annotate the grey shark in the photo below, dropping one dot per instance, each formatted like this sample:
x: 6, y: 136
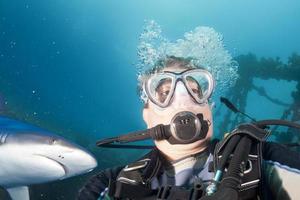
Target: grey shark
x: 30, y: 155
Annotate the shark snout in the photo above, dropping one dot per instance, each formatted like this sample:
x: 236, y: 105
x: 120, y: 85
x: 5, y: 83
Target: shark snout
x: 77, y: 162
x: 69, y: 157
x: 74, y: 159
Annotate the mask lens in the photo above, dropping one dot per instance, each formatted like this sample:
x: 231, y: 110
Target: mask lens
x: 199, y: 85
x: 160, y: 88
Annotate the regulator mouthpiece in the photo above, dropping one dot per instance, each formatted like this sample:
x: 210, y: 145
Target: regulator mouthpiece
x: 185, y: 128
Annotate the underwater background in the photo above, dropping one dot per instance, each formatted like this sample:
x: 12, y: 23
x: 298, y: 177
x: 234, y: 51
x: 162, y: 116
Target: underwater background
x: 69, y: 67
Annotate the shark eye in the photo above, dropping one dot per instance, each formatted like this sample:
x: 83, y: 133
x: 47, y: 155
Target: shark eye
x: 3, y: 138
x: 53, y: 141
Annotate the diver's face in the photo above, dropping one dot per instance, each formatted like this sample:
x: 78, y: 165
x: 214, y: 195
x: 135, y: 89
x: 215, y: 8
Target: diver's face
x: 181, y: 101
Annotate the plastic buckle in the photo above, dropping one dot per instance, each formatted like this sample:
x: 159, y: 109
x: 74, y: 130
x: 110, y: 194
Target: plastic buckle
x: 163, y: 192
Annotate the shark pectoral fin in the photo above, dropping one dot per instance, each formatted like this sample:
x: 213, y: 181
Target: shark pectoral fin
x: 18, y: 193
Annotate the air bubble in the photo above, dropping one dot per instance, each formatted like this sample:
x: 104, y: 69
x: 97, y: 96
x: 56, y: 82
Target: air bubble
x: 204, y: 45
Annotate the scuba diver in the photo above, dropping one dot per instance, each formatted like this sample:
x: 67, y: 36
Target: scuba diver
x: 185, y: 166
x: 185, y: 163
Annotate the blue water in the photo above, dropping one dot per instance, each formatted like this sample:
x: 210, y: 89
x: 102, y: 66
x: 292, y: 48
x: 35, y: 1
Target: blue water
x: 68, y: 66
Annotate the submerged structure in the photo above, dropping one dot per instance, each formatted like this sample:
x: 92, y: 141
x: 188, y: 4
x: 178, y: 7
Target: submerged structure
x: 265, y: 68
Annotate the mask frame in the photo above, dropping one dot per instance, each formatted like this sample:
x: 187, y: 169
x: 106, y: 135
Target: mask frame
x: 175, y: 77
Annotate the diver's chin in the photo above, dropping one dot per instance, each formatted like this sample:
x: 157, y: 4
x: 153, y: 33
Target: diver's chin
x: 178, y: 151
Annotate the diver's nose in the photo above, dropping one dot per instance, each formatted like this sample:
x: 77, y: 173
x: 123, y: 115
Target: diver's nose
x: 180, y: 89
x: 181, y: 95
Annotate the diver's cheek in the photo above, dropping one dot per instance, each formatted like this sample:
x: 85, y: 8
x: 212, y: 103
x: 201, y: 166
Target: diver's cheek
x: 153, y: 116
x: 206, y: 111
x: 159, y: 117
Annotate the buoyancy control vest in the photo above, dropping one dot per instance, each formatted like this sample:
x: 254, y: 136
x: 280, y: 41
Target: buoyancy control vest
x: 238, y: 157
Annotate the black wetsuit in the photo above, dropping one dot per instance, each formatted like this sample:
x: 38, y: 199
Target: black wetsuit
x: 280, y: 175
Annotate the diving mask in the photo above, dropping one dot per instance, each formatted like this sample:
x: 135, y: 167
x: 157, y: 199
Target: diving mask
x: 160, y: 87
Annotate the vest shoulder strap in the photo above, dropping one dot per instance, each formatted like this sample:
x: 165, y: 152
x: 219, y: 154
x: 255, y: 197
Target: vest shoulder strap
x: 134, y: 180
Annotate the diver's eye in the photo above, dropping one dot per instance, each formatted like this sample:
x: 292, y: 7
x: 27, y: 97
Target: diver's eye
x: 196, y: 91
x: 194, y: 86
x: 163, y: 95
x: 163, y: 90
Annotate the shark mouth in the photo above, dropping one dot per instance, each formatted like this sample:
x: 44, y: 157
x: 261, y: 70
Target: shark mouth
x: 59, y: 163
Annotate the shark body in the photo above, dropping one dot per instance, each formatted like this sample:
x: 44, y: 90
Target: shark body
x: 30, y: 155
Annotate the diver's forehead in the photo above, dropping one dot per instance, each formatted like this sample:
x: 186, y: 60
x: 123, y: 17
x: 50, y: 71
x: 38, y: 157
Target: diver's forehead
x: 174, y: 68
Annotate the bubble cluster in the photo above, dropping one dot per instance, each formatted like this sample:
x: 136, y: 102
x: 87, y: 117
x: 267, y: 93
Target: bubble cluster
x: 203, y: 45
x: 150, y: 47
